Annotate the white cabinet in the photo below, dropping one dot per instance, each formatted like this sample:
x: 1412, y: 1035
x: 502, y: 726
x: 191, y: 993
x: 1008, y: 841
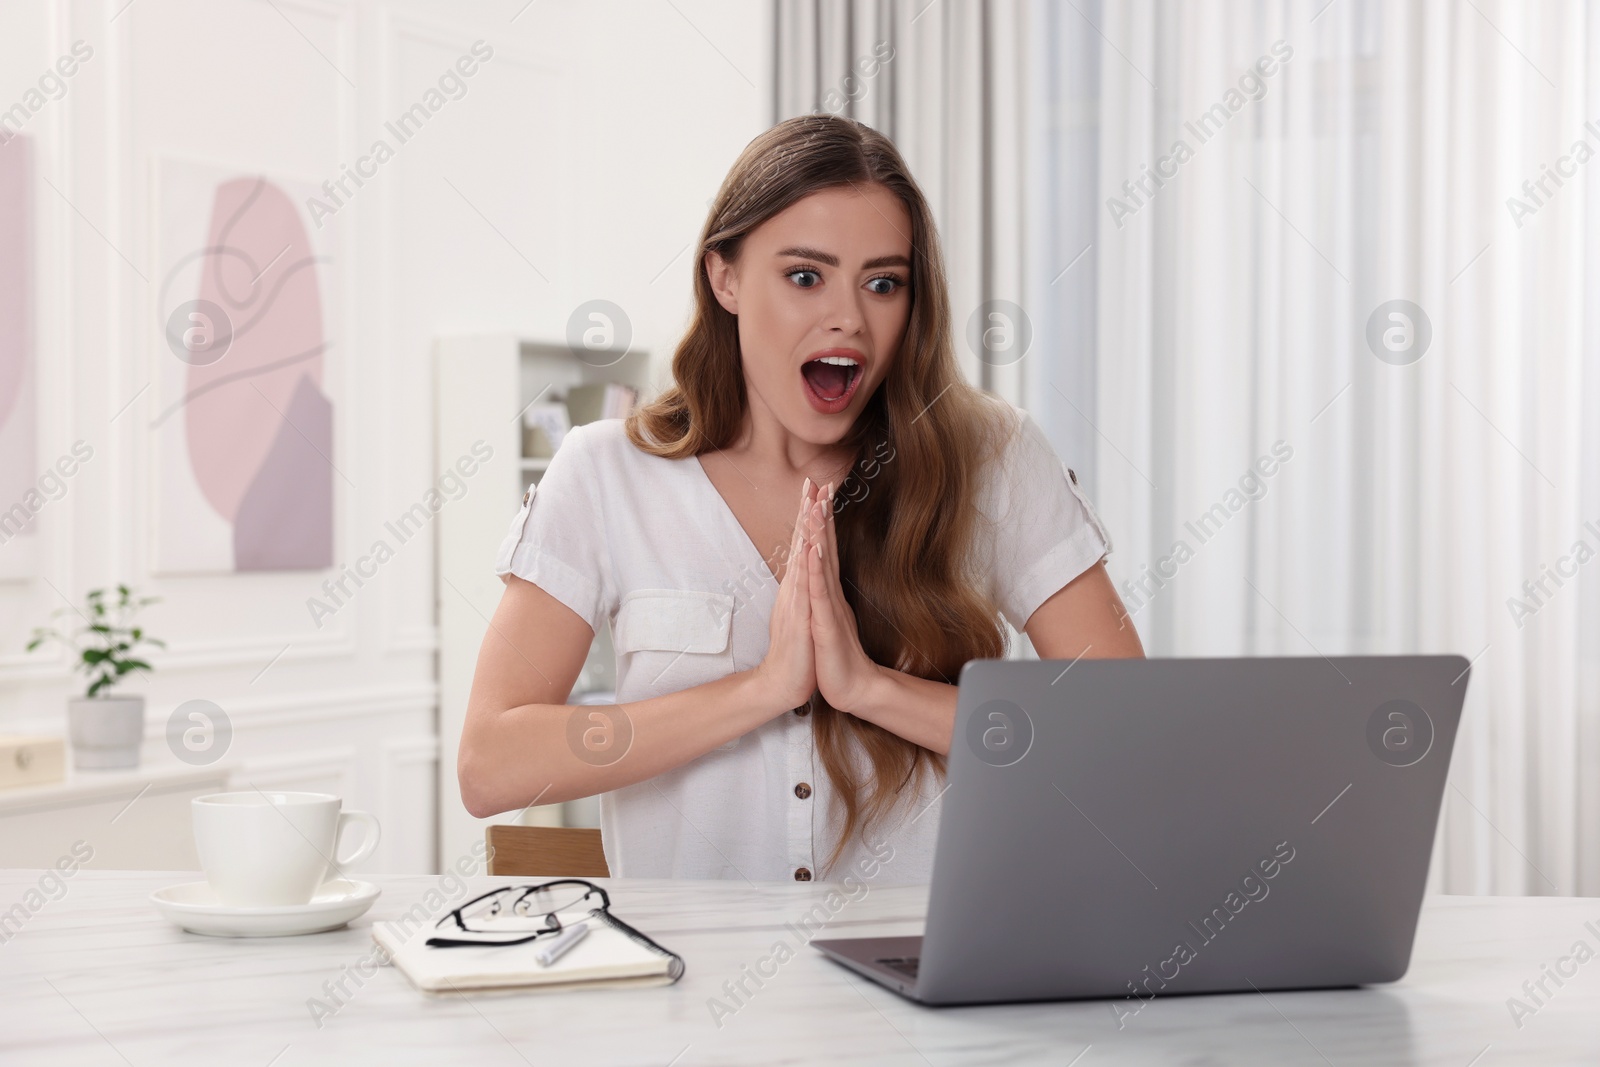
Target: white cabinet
x: 136, y: 820
x: 482, y: 385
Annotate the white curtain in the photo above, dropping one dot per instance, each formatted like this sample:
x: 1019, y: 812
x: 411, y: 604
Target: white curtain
x: 1183, y: 329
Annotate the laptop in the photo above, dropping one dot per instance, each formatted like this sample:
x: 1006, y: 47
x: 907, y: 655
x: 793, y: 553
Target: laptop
x: 1135, y: 828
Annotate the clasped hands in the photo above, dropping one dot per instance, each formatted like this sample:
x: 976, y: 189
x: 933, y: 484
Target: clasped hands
x: 814, y: 645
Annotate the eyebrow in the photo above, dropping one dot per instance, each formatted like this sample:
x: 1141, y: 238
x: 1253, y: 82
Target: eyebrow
x: 833, y: 260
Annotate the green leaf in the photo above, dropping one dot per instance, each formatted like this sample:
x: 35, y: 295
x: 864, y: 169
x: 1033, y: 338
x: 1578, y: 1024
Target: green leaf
x: 126, y: 665
x: 102, y: 635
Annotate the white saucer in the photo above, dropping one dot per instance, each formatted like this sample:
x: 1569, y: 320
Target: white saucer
x: 194, y: 907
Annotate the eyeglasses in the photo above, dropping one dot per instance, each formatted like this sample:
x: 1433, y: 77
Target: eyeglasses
x: 517, y: 914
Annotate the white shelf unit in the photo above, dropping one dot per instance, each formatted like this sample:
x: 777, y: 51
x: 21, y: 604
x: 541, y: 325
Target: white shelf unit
x: 482, y: 385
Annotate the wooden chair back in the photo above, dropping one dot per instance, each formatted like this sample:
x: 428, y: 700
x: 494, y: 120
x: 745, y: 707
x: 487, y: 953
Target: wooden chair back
x: 546, y: 852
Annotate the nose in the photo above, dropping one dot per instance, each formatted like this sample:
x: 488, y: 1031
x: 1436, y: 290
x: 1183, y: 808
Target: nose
x: 844, y: 311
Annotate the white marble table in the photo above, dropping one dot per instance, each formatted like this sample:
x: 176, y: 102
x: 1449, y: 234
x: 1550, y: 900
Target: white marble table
x: 98, y: 977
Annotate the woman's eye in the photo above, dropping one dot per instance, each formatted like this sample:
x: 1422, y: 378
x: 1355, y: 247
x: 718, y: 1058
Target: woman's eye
x: 883, y: 285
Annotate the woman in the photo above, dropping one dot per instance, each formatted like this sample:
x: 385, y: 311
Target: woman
x: 798, y: 545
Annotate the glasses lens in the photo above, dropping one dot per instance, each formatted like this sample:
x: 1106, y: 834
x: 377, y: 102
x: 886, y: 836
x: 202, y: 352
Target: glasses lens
x: 560, y: 900
x: 519, y: 911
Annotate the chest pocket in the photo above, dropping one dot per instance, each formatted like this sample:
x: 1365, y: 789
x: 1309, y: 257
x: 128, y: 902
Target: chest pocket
x: 668, y: 640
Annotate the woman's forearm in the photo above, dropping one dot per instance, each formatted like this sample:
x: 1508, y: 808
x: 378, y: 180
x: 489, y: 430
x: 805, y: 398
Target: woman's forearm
x: 919, y: 710
x: 535, y: 754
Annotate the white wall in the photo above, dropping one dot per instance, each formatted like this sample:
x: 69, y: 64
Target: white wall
x: 584, y: 151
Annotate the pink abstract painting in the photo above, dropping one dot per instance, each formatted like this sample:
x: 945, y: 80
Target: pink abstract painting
x: 247, y: 463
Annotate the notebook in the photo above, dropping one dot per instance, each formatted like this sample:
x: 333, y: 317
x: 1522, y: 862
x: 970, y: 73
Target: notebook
x: 612, y: 955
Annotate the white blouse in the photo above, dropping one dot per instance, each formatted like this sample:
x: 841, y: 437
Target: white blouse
x: 650, y: 546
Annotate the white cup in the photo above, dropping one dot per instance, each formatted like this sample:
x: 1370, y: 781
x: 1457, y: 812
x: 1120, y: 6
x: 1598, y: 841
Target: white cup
x: 261, y: 848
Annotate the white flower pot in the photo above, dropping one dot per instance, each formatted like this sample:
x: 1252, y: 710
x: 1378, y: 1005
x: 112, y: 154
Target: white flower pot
x: 106, y: 731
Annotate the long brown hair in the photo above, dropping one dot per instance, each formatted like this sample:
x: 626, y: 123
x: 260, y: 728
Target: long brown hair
x: 906, y: 534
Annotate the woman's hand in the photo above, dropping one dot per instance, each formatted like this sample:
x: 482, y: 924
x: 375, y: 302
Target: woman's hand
x: 844, y: 670
x: 788, y: 671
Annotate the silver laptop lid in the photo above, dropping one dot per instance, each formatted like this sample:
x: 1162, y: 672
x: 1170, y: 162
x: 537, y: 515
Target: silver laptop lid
x: 1127, y: 827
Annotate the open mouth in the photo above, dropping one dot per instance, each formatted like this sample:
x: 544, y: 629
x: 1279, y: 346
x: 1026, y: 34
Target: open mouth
x: 831, y: 381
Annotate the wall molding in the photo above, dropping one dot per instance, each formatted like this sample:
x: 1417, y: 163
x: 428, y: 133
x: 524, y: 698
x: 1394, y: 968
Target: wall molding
x: 273, y: 711
x: 286, y: 771
x: 397, y: 27
x: 317, y: 707
x: 411, y: 640
x: 408, y: 795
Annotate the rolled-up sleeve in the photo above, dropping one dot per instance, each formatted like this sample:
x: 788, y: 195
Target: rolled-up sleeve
x: 557, y: 538
x: 1043, y: 530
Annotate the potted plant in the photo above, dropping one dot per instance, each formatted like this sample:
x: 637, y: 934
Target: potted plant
x: 106, y: 729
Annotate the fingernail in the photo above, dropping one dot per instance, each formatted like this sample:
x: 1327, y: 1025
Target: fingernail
x: 806, y: 489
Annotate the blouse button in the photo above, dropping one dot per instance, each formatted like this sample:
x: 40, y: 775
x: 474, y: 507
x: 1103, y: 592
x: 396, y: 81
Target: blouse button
x: 802, y: 790
x: 802, y: 874
x: 1073, y: 475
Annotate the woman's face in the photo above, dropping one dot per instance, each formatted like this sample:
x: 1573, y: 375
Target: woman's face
x: 827, y: 278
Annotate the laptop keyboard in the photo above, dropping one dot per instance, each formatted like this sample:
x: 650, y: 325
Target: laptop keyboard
x: 906, y: 965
